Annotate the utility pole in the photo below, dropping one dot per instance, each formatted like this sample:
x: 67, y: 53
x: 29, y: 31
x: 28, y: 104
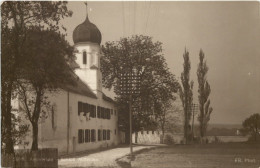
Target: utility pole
x: 130, y: 120
x: 129, y: 86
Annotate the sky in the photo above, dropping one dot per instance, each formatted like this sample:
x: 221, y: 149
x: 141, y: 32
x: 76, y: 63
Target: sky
x: 227, y: 32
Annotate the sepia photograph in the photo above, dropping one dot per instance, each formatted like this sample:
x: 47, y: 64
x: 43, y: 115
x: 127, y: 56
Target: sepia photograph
x: 130, y: 84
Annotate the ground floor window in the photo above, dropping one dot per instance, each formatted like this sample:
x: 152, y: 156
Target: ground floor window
x: 104, y: 134
x: 99, y: 135
x: 80, y: 136
x: 87, y: 135
x: 108, y: 134
x: 93, y: 135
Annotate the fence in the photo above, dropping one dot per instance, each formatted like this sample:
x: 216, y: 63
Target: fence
x: 25, y: 158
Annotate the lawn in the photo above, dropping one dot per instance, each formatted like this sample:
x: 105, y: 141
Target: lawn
x: 225, y: 155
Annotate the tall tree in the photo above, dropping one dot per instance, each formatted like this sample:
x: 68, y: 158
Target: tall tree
x: 145, y: 56
x: 186, y: 93
x: 16, y: 18
x: 45, y: 70
x: 251, y: 126
x: 204, y: 92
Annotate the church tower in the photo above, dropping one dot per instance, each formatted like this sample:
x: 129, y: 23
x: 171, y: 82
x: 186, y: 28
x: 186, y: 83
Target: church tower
x: 87, y: 39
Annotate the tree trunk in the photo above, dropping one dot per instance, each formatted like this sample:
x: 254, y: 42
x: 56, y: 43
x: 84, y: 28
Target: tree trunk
x: 136, y: 136
x: 35, y: 118
x: 35, y: 136
x: 163, y: 136
x: 7, y: 120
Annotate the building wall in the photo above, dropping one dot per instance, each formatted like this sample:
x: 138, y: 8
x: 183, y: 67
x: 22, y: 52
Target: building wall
x: 147, y: 137
x: 54, y: 130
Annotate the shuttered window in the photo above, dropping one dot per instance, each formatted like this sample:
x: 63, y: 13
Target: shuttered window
x: 104, y: 134
x: 80, y: 107
x: 99, y: 135
x: 92, y: 111
x: 108, y: 134
x: 87, y: 135
x: 98, y: 112
x: 93, y: 135
x: 85, y: 108
x: 80, y: 136
x: 102, y: 112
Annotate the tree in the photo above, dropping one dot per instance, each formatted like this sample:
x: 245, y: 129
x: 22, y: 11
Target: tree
x: 141, y: 54
x: 45, y: 70
x: 16, y: 18
x: 167, y: 117
x: 251, y: 126
x: 204, y: 92
x: 186, y: 94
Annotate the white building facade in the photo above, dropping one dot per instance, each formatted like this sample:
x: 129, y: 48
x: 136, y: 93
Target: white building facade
x: 81, y: 117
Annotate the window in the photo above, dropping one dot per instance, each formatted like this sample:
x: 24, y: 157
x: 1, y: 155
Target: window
x: 80, y: 107
x: 108, y: 134
x: 84, y: 57
x: 92, y: 111
x: 104, y: 135
x: 80, y: 136
x: 87, y: 135
x: 108, y: 114
x: 93, y: 135
x: 99, y: 135
x: 105, y: 113
x: 98, y: 112
x: 85, y: 108
x: 102, y: 112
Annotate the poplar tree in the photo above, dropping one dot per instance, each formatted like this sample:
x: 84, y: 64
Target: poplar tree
x: 204, y: 92
x: 186, y: 93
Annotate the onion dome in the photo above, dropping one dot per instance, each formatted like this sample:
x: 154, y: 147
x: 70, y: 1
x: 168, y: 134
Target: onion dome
x: 87, y: 32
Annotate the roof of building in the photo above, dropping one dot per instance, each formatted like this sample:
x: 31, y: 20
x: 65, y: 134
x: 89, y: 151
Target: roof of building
x: 87, y: 32
x: 106, y: 98
x: 79, y: 87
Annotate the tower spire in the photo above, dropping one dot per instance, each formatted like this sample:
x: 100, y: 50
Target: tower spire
x: 86, y: 3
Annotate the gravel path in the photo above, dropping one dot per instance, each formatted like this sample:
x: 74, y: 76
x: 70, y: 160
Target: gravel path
x: 99, y: 159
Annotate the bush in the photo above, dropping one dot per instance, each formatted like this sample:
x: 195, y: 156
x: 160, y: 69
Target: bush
x: 168, y: 139
x: 216, y: 139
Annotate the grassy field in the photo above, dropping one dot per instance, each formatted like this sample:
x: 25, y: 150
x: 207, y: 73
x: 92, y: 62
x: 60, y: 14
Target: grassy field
x: 225, y: 155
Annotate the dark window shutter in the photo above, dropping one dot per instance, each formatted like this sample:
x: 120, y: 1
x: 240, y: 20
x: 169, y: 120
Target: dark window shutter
x: 79, y: 136
x: 85, y: 106
x: 98, y: 112
x: 108, y: 134
x: 80, y: 107
x: 104, y: 134
x: 99, y: 135
x: 93, y: 135
x: 102, y: 112
x: 108, y: 113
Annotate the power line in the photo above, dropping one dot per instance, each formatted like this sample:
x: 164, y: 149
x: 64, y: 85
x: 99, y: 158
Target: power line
x: 123, y: 10
x: 148, y: 16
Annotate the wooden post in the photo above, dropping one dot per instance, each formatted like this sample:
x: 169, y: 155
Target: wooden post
x: 130, y: 120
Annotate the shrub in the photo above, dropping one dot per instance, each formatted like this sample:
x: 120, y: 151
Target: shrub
x: 168, y: 139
